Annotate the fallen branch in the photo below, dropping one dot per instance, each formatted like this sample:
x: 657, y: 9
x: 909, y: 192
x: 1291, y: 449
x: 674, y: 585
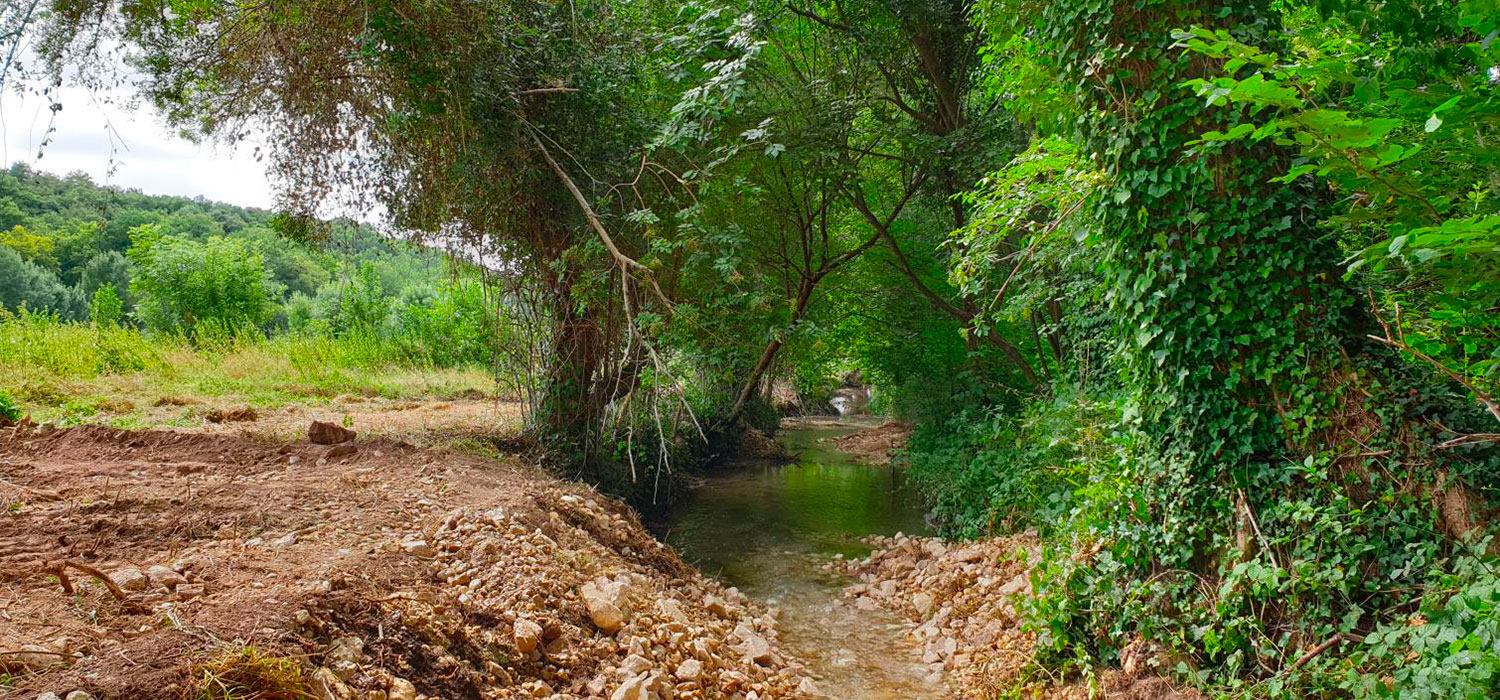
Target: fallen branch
x: 1314, y: 652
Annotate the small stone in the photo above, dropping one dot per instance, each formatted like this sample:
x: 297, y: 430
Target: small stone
x: 757, y: 649
x: 165, y: 576
x: 350, y: 648
x: 401, y: 689
x: 689, y: 670
x: 923, y: 603
x: 329, y: 686
x: 1021, y: 583
x: 671, y: 608
x: 717, y: 606
x: 345, y: 670
x: 808, y: 687
x: 606, y: 615
x: 968, y: 556
x: 633, y: 689
x: 418, y: 548
x: 527, y: 635
x: 188, y: 591
x: 320, y: 433
x: 130, y: 579
x: 635, y: 665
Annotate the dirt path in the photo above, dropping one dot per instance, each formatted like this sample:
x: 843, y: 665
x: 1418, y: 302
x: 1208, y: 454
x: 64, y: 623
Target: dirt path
x: 389, y: 572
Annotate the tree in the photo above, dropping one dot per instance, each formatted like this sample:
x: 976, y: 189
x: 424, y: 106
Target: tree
x: 24, y: 283
x: 509, y: 125
x: 199, y: 288
x: 107, y: 269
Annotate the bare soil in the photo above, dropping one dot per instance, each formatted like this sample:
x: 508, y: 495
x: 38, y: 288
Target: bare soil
x: 434, y: 561
x: 423, y: 423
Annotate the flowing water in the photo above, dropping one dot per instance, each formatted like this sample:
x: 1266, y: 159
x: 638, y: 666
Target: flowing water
x: 771, y: 529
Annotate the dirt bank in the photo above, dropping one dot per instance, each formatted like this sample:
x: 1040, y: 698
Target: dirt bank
x: 961, y: 600
x: 385, y: 572
x: 876, y: 445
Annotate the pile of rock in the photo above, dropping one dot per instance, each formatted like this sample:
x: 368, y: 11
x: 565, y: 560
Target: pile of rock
x: 571, y: 600
x: 961, y: 600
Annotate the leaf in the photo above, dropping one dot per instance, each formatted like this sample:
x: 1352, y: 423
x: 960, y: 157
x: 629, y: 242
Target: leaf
x: 1397, y: 244
x: 1433, y: 122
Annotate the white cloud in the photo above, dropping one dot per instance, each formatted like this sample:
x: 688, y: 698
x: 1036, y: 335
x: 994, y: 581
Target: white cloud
x: 97, y: 133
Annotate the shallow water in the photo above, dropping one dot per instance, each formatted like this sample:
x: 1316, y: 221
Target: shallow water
x: 769, y: 529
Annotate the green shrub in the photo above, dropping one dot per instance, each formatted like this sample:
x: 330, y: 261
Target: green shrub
x: 1451, y: 649
x: 212, y: 289
x: 106, y: 309
x: 989, y: 471
x: 61, y: 350
x: 10, y: 411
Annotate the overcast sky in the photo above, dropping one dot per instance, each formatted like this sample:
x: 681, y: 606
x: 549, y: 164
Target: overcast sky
x: 147, y: 154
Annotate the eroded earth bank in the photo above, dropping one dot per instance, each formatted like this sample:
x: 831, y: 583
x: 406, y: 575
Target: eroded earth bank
x: 142, y: 564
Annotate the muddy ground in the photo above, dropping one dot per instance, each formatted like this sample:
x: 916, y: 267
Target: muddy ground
x: 382, y: 569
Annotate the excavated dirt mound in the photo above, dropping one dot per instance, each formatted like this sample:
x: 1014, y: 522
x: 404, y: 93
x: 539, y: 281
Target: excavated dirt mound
x: 960, y: 598
x: 384, y: 571
x: 875, y: 445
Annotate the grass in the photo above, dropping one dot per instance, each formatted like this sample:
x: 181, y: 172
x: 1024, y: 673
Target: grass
x: 247, y: 673
x: 69, y: 373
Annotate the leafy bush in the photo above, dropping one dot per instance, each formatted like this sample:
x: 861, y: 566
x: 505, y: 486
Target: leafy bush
x: 10, y: 411
x: 60, y: 350
x: 106, y: 308
x: 1450, y: 650
x: 216, y: 288
x: 451, y: 326
x: 992, y: 470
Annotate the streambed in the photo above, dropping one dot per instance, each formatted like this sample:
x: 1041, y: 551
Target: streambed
x: 770, y: 529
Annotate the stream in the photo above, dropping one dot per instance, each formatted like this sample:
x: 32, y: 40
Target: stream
x: 770, y: 530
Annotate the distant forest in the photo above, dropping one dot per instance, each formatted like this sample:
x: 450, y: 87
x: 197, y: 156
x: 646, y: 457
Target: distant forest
x: 76, y: 250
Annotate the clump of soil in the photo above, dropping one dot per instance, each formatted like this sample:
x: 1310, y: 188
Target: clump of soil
x: 244, y: 414
x: 383, y: 571
x: 876, y: 445
x: 961, y: 599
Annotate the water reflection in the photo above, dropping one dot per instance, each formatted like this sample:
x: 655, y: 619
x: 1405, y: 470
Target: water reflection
x: 770, y: 528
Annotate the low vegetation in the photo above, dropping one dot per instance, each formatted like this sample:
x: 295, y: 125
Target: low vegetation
x: 70, y: 373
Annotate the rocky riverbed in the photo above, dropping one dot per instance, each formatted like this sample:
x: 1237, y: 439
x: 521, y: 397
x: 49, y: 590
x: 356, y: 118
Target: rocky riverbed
x: 961, y: 600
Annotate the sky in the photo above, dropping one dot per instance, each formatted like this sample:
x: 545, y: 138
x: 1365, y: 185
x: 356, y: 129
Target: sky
x: 148, y: 155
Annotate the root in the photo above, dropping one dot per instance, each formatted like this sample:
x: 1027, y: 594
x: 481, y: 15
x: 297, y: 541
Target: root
x: 60, y: 568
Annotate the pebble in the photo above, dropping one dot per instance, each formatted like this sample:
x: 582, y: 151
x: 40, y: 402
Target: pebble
x: 401, y: 689
x: 130, y: 579
x: 527, y: 635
